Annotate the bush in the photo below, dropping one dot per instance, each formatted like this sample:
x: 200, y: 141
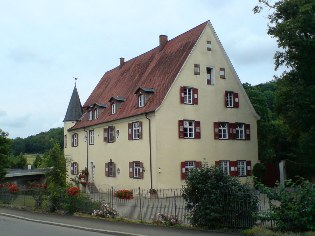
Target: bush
x: 216, y: 200
x: 292, y: 205
x: 124, y: 194
x: 169, y: 220
x: 105, y: 211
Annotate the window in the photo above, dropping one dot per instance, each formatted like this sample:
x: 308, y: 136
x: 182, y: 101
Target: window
x: 91, y: 137
x: 223, y: 131
x: 186, y: 166
x: 74, y: 140
x: 189, y: 129
x: 90, y: 115
x: 109, y: 134
x: 136, y: 170
x: 65, y: 141
x: 96, y: 113
x: 135, y: 130
x: 240, y: 131
x: 196, y: 69
x: 188, y: 95
x: 209, y: 46
x: 210, y: 76
x: 222, y: 73
x: 141, y: 100
x: 241, y: 167
x: 231, y: 99
x: 110, y: 169
x: 114, y: 108
x: 74, y: 168
x: 225, y: 166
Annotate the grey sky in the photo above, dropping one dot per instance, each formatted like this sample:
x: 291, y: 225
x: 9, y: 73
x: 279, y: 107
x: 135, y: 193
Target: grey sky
x: 45, y: 43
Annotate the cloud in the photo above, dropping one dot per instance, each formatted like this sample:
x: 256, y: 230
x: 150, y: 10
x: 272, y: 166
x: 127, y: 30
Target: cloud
x: 22, y: 56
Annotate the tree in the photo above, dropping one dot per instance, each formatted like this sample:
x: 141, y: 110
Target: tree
x: 17, y: 162
x: 4, y: 152
x: 292, y: 23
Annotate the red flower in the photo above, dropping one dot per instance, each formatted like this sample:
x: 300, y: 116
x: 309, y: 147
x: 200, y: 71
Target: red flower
x: 13, y: 188
x: 73, y: 191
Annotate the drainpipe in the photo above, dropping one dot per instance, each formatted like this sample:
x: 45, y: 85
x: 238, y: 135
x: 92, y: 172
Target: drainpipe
x: 150, y: 145
x: 87, y: 158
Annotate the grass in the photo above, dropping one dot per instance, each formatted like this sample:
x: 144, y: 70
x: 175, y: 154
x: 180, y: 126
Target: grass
x: 262, y: 231
x: 30, y: 158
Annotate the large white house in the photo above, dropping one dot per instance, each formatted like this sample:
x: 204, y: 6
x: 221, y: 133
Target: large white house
x: 152, y: 118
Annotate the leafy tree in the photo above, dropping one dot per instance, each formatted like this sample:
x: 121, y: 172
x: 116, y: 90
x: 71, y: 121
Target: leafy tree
x: 216, y: 199
x: 17, y: 162
x: 4, y: 152
x: 292, y: 23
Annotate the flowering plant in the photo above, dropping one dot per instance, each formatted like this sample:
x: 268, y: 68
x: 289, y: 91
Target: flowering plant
x: 105, y: 211
x: 73, y: 191
x: 164, y: 219
x: 124, y: 194
x: 13, y: 188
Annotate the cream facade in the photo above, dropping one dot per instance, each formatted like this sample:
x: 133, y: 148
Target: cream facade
x: 198, y: 122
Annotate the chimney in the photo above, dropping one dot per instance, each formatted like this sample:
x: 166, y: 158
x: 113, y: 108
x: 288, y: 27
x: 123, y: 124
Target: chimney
x: 122, y: 62
x: 163, y: 41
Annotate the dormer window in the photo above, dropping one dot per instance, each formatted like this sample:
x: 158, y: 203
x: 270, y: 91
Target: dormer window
x: 95, y: 110
x: 90, y: 115
x: 96, y: 113
x: 144, y: 95
x: 116, y: 103
x: 114, y: 108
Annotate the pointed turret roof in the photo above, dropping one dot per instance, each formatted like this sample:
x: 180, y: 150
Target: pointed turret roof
x: 74, y: 111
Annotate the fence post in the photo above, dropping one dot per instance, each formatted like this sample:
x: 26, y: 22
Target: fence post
x: 140, y: 205
x: 112, y: 197
x: 175, y: 205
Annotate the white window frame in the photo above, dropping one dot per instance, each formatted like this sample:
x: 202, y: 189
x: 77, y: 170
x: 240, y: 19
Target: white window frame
x: 189, y: 129
x: 225, y: 166
x: 75, y: 168
x: 135, y: 130
x: 111, y: 134
x: 223, y: 131
x: 241, y: 168
x: 188, y: 95
x: 210, y: 76
x: 189, y: 165
x: 222, y: 73
x: 141, y: 100
x: 91, y: 115
x: 209, y: 46
x: 229, y: 99
x: 196, y: 69
x: 111, y: 169
x: 136, y: 169
x: 75, y: 138
x: 114, y: 108
x: 91, y: 137
x: 240, y: 131
x: 96, y: 113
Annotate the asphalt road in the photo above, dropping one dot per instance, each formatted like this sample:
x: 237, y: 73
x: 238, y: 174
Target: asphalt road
x: 16, y: 227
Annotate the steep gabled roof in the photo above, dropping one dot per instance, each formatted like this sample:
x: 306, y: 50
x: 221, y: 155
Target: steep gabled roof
x: 156, y: 69
x: 74, y: 111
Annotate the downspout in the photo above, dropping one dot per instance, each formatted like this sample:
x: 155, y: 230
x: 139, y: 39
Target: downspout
x: 150, y: 148
x: 87, y: 158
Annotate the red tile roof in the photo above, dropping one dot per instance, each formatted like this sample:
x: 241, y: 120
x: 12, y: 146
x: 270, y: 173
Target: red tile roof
x: 155, y: 69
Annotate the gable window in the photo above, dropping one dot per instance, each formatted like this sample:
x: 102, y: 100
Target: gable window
x: 186, y: 166
x: 74, y: 140
x: 240, y: 130
x: 135, y: 130
x: 196, y: 69
x: 109, y: 134
x: 210, y: 76
x: 188, y: 95
x: 136, y: 170
x: 231, y: 99
x: 91, y: 137
x: 222, y: 73
x: 141, y: 100
x: 110, y: 169
x: 209, y: 46
x: 74, y: 168
x: 189, y: 129
x: 114, y: 108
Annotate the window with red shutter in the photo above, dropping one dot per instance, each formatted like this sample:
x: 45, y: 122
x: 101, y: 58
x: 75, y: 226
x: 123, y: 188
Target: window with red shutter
x: 197, y: 130
x: 195, y: 94
x: 233, y: 168
x: 140, y: 129
x: 247, y: 131
x: 106, y: 169
x: 236, y: 100
x: 106, y: 135
x: 182, y: 170
x: 181, y: 94
x: 181, y: 129
x: 130, y: 131
x: 216, y: 130
x: 131, y: 169
x: 232, y: 131
x: 248, y: 168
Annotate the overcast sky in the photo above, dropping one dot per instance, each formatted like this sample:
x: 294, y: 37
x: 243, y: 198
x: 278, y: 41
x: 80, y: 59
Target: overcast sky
x: 45, y: 43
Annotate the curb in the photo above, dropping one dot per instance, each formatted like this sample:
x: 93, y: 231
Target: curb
x: 118, y: 233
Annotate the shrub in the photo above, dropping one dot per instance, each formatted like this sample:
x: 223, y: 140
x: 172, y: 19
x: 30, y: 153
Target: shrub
x: 13, y: 188
x: 292, y: 205
x: 169, y: 220
x: 73, y: 191
x: 217, y: 200
x: 105, y: 211
x: 124, y: 194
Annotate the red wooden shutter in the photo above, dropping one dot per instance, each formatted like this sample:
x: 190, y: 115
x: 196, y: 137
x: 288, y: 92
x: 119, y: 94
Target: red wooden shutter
x: 183, y: 170
x: 236, y: 100
x: 114, y: 169
x: 131, y: 169
x: 72, y: 169
x: 181, y: 129
x: 216, y: 130
x: 140, y: 130
x: 106, y: 169
x: 197, y: 130
x: 232, y: 130
x: 114, y: 133
x: 195, y: 94
x: 233, y: 168
x: 181, y: 94
x: 248, y: 168
x: 226, y: 98
x: 217, y: 163
x: 198, y: 164
x: 141, y: 171
x: 247, y: 131
x: 106, y: 135
x: 130, y: 131
x: 222, y: 73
